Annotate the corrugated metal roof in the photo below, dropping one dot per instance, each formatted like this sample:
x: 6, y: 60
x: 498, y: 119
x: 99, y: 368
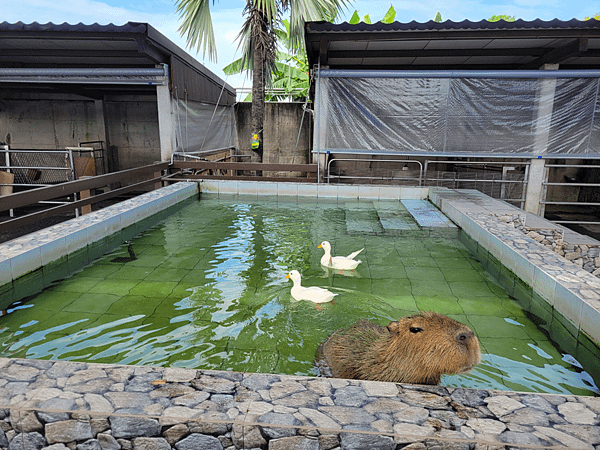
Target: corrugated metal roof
x: 129, y: 27
x: 448, y: 45
x: 519, y: 24
x: 131, y: 45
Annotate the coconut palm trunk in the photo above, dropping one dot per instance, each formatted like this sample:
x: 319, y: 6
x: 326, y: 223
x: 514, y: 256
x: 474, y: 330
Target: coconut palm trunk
x: 258, y: 101
x: 261, y: 39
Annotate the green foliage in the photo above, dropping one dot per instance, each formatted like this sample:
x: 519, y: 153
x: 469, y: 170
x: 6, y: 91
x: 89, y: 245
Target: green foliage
x: 438, y: 17
x: 290, y: 77
x: 596, y: 16
x: 197, y: 26
x: 504, y: 17
x: 354, y: 19
x: 389, y: 17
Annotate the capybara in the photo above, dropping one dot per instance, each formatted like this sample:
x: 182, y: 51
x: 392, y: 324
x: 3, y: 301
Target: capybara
x: 416, y: 349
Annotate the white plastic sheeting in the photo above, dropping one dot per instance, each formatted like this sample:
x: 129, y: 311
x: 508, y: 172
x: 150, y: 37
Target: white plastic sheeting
x: 202, y: 126
x: 378, y: 113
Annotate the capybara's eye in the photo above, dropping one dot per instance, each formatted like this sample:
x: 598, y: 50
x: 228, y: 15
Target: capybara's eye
x: 415, y: 329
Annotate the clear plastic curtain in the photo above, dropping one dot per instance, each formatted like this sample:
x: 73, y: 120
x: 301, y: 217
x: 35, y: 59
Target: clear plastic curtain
x: 202, y: 126
x: 458, y: 116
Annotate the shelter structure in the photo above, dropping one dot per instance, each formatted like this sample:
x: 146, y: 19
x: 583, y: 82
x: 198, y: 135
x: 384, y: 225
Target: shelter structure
x: 524, y: 92
x: 125, y: 89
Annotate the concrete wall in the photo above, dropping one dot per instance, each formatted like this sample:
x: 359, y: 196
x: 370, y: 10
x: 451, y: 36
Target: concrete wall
x: 133, y: 129
x: 281, y: 125
x: 33, y: 120
x: 47, y: 121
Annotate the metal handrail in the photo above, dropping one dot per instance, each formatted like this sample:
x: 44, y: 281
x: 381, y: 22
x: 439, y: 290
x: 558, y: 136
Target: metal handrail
x: 11, y: 167
x: 405, y: 161
x: 200, y: 152
x: 503, y: 182
x: 545, y: 185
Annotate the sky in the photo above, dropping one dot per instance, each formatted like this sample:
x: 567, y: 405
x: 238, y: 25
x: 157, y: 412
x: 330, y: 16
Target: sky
x: 227, y: 17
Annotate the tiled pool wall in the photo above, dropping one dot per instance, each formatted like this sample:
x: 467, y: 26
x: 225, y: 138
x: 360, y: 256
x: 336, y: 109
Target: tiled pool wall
x: 32, y: 262
x: 312, y: 190
x: 85, y: 405
x: 562, y: 298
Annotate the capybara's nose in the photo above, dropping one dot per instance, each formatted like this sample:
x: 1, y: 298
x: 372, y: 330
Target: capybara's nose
x: 463, y: 337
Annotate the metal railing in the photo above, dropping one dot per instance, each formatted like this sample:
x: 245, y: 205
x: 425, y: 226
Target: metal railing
x: 499, y: 178
x: 545, y: 184
x: 38, y: 168
x: 404, y: 162
x: 499, y: 183
x: 205, y: 155
x: 149, y: 175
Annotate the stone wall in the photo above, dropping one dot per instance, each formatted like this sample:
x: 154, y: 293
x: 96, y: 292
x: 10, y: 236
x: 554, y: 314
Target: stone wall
x: 585, y: 256
x: 56, y: 405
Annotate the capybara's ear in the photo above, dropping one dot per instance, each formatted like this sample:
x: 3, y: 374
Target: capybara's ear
x: 394, y: 327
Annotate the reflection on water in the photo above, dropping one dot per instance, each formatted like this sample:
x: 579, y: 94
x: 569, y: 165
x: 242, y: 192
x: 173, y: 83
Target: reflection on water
x: 206, y: 289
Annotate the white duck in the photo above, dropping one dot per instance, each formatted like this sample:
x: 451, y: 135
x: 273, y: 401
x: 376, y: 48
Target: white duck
x: 339, y: 262
x: 313, y: 294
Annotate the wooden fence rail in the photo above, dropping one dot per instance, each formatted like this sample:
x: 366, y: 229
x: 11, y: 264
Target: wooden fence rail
x: 134, y: 179
x: 242, y: 171
x: 140, y: 178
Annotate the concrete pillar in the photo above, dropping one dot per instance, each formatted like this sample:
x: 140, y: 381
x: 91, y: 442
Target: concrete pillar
x: 165, y: 122
x: 544, y: 106
x: 535, y: 188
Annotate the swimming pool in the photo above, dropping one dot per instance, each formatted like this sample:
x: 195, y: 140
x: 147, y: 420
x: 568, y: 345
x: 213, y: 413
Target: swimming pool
x: 206, y: 289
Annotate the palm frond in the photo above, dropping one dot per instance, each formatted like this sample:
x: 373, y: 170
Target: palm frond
x: 269, y: 8
x: 235, y: 67
x: 310, y: 10
x: 197, y: 26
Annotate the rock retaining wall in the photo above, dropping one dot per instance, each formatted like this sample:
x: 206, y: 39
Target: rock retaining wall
x: 585, y: 256
x: 57, y: 405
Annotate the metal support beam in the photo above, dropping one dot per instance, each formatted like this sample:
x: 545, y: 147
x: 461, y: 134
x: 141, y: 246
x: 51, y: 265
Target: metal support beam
x: 558, y: 55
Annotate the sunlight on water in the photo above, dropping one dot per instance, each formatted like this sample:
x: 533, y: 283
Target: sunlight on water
x: 206, y: 289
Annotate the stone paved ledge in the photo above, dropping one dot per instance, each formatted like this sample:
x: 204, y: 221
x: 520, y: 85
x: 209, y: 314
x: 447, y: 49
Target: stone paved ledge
x: 58, y: 405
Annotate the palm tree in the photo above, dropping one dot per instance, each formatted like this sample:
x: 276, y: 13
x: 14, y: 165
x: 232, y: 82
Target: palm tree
x: 290, y: 80
x: 257, y: 38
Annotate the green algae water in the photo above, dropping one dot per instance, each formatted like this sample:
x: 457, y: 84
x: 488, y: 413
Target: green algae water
x: 206, y: 289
